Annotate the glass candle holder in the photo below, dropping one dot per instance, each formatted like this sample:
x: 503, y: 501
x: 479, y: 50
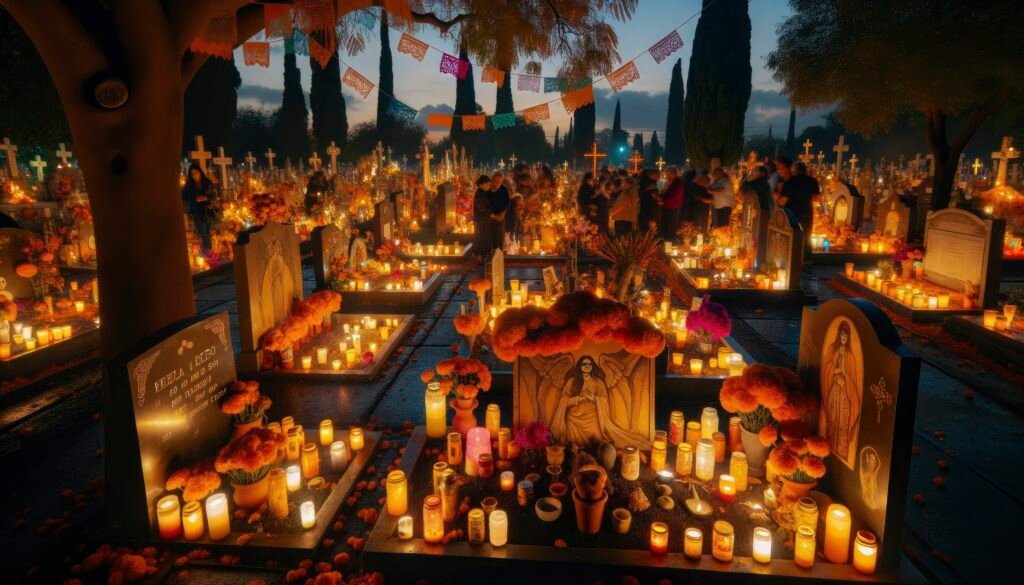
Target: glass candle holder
x: 696, y: 366
x: 722, y: 540
x: 454, y: 448
x: 292, y: 449
x: 837, y: 534
x: 504, y: 438
x: 693, y: 433
x: 804, y: 547
x: 405, y: 527
x: 708, y: 422
x: 307, y: 362
x: 192, y: 520
x: 397, y: 493
x: 726, y: 488
x: 168, y: 517
x: 475, y: 523
x: 719, y: 440
x: 1009, y: 312
x: 865, y: 552
x: 336, y: 365
x: 435, y: 411
x: 326, y: 432
x: 630, y: 468
x: 492, y: 420
x: 498, y: 528
x: 684, y: 460
x: 478, y: 441
x: 693, y: 543
x: 806, y: 513
x: 437, y: 471
x: 321, y: 355
x: 339, y: 456
x: 355, y: 438
x: 307, y: 514
x: 735, y: 435
x: 676, y: 427
x: 704, y: 460
x: 310, y: 461
x: 762, y: 545
x: 659, y: 538
x: 989, y: 318
x: 277, y: 493
x: 738, y: 469
x: 659, y: 451
x: 217, y: 518
x: 433, y: 520
x: 508, y: 481
x: 293, y: 477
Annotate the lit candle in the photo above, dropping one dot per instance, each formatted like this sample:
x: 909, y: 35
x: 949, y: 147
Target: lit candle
x: 917, y: 301
x: 837, y: 534
x: 357, y: 341
x: 321, y: 355
x: 307, y: 362
x: 397, y: 493
x: 722, y: 537
x: 475, y: 526
x: 492, y: 420
x: 498, y: 528
x: 504, y: 439
x: 307, y: 513
x: 30, y: 343
x: 676, y: 427
x: 677, y: 359
x: 168, y: 517
x: 310, y: 461
x: 708, y: 422
x: 355, y: 438
x: 57, y: 333
x: 294, y: 477
x: 704, y: 467
x: 696, y: 366
x: 692, y: 434
x: 762, y: 545
x: 693, y: 543
x: 735, y: 364
x: 405, y: 527
x: 738, y: 469
x: 277, y: 493
x: 336, y: 365
x: 726, y: 488
x: 350, y: 357
x: 865, y: 552
x: 66, y: 329
x: 719, y: 440
x: 803, y: 553
x: 5, y: 350
x: 933, y: 302
x: 79, y: 306
x: 192, y: 519
x: 659, y: 538
x: 433, y: 520
x: 326, y: 432
x: 630, y: 468
x: 43, y: 337
x: 684, y: 460
x: 478, y: 442
x: 659, y: 451
x: 435, y: 411
x: 989, y: 318
x: 454, y: 448
x: 217, y: 518
x: 385, y: 333
x: 508, y: 481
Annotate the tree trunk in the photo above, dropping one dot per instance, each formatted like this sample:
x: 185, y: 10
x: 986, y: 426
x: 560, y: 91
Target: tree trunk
x: 938, y: 143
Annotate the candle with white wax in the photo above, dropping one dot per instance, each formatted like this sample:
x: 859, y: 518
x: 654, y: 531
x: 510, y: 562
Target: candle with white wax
x: 217, y: 516
x: 168, y: 517
x: 762, y: 547
x: 307, y: 513
x: 837, y: 534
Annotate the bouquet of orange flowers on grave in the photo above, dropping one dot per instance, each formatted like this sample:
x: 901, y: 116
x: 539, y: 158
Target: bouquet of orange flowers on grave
x: 765, y: 398
x: 800, y: 460
x: 466, y: 376
x: 470, y: 324
x: 8, y: 309
x: 195, y: 482
x: 40, y: 263
x: 249, y: 458
x: 245, y: 403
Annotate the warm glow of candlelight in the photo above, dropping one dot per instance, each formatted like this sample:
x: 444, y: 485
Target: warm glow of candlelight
x: 326, y: 432
x: 704, y: 467
x: 433, y: 520
x: 693, y: 543
x: 762, y: 547
x: 397, y: 493
x: 217, y: 516
x: 355, y: 438
x: 192, y: 520
x: 508, y: 481
x: 307, y: 513
x: 837, y: 534
x: 726, y: 488
x: 294, y: 477
x: 277, y: 493
x: 659, y: 538
x: 865, y: 552
x: 435, y: 411
x: 168, y: 517
x: 803, y: 553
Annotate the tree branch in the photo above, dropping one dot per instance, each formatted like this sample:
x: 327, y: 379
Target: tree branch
x: 434, y: 20
x: 984, y: 112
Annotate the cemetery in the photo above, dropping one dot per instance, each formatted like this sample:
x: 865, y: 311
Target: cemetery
x: 277, y: 307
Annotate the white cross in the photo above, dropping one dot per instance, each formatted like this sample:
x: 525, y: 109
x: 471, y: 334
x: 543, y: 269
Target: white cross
x: 807, y: 147
x: 839, y: 149
x: 513, y: 159
x: 976, y: 166
x: 333, y: 151
x: 222, y: 162
x: 853, y: 164
x: 38, y: 164
x: 1005, y: 154
x: 270, y: 158
x: 250, y: 159
x: 63, y: 154
x: 12, y: 157
x: 565, y: 165
x: 314, y: 161
x: 379, y: 155
x: 661, y: 163
x: 501, y: 164
x: 200, y: 154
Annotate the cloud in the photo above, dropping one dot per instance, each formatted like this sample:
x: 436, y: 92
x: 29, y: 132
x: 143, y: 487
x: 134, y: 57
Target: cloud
x: 421, y: 115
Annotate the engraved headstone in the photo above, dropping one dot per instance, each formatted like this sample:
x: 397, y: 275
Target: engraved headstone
x: 867, y: 383
x: 784, y: 245
x: 445, y: 211
x: 893, y: 218
x: 753, y: 225
x: 384, y: 227
x: 962, y: 248
x: 329, y: 243
x: 12, y: 285
x: 551, y: 282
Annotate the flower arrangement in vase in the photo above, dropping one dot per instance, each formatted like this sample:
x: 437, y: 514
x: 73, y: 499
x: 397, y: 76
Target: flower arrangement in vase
x: 195, y: 482
x: 246, y: 461
x: 909, y: 257
x: 765, y: 398
x: 480, y: 286
x: 246, y: 406
x: 467, y: 377
x: 710, y: 323
x: 799, y: 464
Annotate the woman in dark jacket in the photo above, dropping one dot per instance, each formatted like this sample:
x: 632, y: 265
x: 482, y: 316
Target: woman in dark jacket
x: 197, y: 195
x: 482, y: 216
x: 317, y: 189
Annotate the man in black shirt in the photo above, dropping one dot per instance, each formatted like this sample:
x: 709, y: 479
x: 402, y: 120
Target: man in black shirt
x: 796, y: 195
x: 500, y: 198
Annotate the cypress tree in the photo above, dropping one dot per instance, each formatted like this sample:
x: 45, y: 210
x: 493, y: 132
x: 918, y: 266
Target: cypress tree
x: 211, y: 103
x: 386, y: 83
x: 292, y: 118
x: 655, y: 152
x: 556, y: 148
x: 583, y: 132
x: 327, y: 104
x: 569, y: 144
x: 675, y: 145
x: 718, y: 86
x: 465, y: 104
x: 791, y: 134
x: 620, y: 138
x: 638, y: 144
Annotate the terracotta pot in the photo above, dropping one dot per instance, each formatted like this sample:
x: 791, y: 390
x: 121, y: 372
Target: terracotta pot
x: 906, y: 268
x: 792, y: 490
x: 589, y: 513
x: 242, y: 428
x: 590, y: 481
x: 464, y: 418
x: 555, y: 454
x: 558, y: 490
x: 757, y: 453
x: 250, y: 495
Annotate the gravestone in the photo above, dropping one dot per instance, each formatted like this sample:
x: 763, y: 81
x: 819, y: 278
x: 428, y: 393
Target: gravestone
x: 844, y: 207
x: 612, y: 383
x: 962, y: 248
x: 753, y: 225
x: 164, y: 413
x: 329, y: 243
x: 384, y: 227
x: 497, y: 269
x: 444, y: 209
x: 11, y: 284
x: 357, y: 254
x: 86, y: 243
x: 851, y: 354
x: 784, y: 245
x: 551, y: 282
x: 268, y: 278
x: 893, y: 218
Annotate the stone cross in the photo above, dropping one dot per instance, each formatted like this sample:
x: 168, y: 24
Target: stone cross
x: 12, y: 157
x: 63, y: 154
x: 593, y: 155
x: 314, y: 161
x: 661, y: 163
x: 501, y: 164
x: 378, y: 156
x: 250, y: 159
x: 807, y: 147
x: 636, y: 159
x: 839, y: 149
x: 424, y: 156
x: 565, y: 165
x: 976, y: 166
x: 853, y: 165
x: 223, y: 162
x: 513, y: 159
x: 38, y: 164
x: 270, y: 158
x: 455, y: 158
x: 333, y: 151
x: 1004, y: 155
x: 200, y: 154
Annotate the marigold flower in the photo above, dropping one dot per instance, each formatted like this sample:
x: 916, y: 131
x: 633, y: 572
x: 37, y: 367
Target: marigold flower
x: 813, y: 467
x: 427, y: 376
x: 783, y: 460
x: 768, y: 435
x: 817, y: 446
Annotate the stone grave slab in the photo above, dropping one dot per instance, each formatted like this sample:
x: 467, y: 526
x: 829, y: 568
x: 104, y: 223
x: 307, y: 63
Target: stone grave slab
x: 329, y: 243
x: 437, y: 253
x: 383, y: 299
x: 784, y: 245
x: 893, y: 218
x: 963, y: 248
x: 384, y: 224
x: 1006, y: 346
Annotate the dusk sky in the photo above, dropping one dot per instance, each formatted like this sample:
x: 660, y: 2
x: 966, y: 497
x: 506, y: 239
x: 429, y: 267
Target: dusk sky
x: 644, y: 102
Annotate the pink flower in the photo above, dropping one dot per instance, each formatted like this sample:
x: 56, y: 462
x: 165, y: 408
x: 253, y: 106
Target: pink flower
x: 711, y: 318
x: 533, y: 436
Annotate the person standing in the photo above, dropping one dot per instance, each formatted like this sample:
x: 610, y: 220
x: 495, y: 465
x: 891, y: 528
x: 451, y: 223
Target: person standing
x: 722, y: 197
x: 197, y: 195
x: 602, y: 203
x: 317, y: 189
x: 650, y: 200
x: 672, y: 198
x: 757, y: 186
x: 584, y: 196
x: 500, y: 199
x: 482, y: 215
x: 797, y: 194
x: 626, y: 209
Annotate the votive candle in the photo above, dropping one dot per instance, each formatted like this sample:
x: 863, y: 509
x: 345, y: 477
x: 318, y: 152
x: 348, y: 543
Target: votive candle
x: 738, y: 469
x: 397, y: 493
x: 692, y: 434
x: 294, y: 477
x: 726, y: 488
x: 708, y: 422
x: 43, y: 336
x: 498, y: 528
x: 762, y: 546
x: 508, y: 481
x: 492, y: 420
x: 659, y: 538
x: 504, y: 438
x: 676, y: 427
x: 478, y: 442
x: 719, y: 440
x: 630, y: 468
x: 454, y: 448
x: 307, y: 513
x: 433, y: 520
x: 696, y: 366
x: 933, y: 302
x: 659, y: 451
x: 865, y: 552
x: 326, y: 432
x: 321, y: 355
x: 405, y: 527
x: 339, y: 456
x: 277, y: 493
x: 307, y: 362
x: 168, y: 517
x: 704, y: 467
x: 693, y: 543
x: 475, y: 526
x: 803, y: 553
x: 350, y: 357
x: 192, y: 520
x: 217, y: 518
x: 684, y: 460
x: 837, y: 534
x: 310, y: 461
x: 355, y: 438
x: 433, y: 401
x: 677, y: 359
x: 722, y: 540
x: 66, y: 329
x: 79, y: 306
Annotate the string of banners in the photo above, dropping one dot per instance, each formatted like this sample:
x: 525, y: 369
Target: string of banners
x: 307, y: 28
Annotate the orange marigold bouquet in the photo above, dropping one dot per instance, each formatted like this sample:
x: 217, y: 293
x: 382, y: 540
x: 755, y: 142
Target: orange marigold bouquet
x: 8, y: 309
x: 306, y: 314
x: 195, y: 482
x: 571, y: 320
x: 467, y: 376
x: 800, y: 460
x: 766, y: 397
x: 245, y: 403
x: 470, y: 324
x: 248, y: 458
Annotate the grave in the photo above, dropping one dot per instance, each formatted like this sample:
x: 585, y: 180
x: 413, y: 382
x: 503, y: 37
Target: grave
x: 753, y: 225
x: 13, y: 285
x: 328, y: 243
x: 445, y: 211
x: 441, y: 252
x: 1005, y: 344
x: 893, y: 218
x: 383, y: 226
x: 165, y: 414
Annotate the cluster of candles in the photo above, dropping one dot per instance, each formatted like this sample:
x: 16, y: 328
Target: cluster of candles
x: 32, y: 337
x: 736, y: 272
x: 392, y: 285
x: 354, y: 335
x: 912, y: 296
x: 174, y: 521
x: 726, y: 360
x: 991, y: 318
x: 441, y: 249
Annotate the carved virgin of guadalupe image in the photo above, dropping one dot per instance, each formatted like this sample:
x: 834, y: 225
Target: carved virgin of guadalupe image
x: 842, y: 211
x: 276, y: 288
x: 842, y: 366
x: 586, y: 400
x: 869, y: 466
x: 892, y: 221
